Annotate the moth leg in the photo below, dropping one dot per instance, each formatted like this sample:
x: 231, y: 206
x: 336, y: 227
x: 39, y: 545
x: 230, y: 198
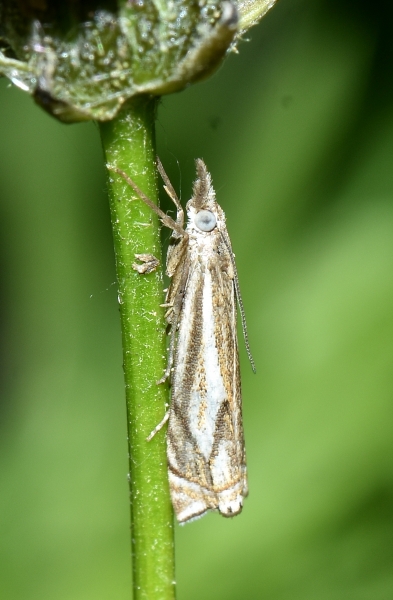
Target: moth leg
x: 158, y: 427
x: 176, y: 300
x: 171, y: 352
x: 171, y: 349
x: 167, y: 305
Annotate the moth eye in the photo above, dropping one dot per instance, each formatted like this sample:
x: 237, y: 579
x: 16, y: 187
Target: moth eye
x: 205, y: 220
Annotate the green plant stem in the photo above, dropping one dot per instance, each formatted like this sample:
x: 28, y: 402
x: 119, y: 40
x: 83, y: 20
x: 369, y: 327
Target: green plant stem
x: 129, y: 143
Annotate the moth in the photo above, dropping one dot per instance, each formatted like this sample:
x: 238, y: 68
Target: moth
x: 205, y: 441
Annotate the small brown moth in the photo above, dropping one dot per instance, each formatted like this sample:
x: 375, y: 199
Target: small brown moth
x: 205, y: 443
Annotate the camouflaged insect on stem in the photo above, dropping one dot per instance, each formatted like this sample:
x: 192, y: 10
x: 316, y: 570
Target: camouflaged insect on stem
x: 205, y: 443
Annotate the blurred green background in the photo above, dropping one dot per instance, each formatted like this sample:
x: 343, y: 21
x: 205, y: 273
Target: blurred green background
x: 297, y: 131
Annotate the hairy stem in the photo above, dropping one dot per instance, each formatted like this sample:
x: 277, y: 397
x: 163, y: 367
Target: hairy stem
x: 129, y: 144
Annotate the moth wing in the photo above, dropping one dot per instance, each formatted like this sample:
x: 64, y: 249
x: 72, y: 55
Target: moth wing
x: 228, y: 460
x: 205, y: 434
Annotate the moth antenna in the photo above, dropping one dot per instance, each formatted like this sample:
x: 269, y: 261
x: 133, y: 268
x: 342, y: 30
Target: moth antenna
x: 239, y: 301
x: 168, y: 187
x: 165, y: 219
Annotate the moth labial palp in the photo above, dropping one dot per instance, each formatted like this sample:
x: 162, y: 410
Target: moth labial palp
x: 205, y: 441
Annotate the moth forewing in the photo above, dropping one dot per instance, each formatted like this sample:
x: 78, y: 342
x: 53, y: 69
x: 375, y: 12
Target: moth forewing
x: 206, y: 455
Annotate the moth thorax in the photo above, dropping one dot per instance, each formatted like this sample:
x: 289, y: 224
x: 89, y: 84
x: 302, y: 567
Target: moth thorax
x: 205, y: 220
